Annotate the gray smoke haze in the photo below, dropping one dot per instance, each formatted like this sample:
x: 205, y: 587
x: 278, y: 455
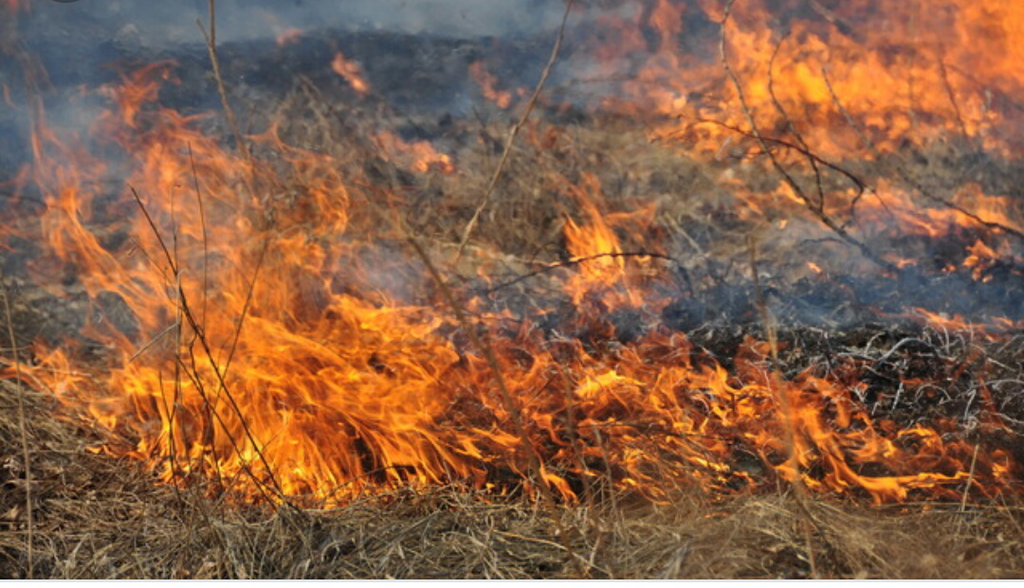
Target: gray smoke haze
x: 83, y: 44
x: 78, y: 42
x: 159, y: 23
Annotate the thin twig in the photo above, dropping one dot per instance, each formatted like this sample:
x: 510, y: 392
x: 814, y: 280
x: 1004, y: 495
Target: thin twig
x: 579, y: 260
x: 952, y: 99
x: 152, y: 341
x: 861, y: 185
x: 970, y: 478
x: 468, y: 231
x: 193, y: 323
x: 245, y: 307
x: 819, y: 207
x: 211, y: 46
x: 202, y: 222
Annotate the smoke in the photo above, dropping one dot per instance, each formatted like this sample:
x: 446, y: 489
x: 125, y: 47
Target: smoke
x: 85, y: 44
x: 170, y: 23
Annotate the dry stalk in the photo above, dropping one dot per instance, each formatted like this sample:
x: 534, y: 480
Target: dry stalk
x: 205, y: 293
x: 970, y: 478
x: 172, y: 411
x: 201, y: 337
x: 782, y: 398
x: 192, y: 371
x: 211, y: 46
x: 580, y: 260
x: 25, y: 451
x: 593, y: 521
x: 967, y: 489
x: 606, y: 457
x: 493, y: 183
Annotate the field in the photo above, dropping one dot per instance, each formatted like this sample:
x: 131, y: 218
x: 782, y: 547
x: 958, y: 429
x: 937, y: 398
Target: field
x: 733, y: 313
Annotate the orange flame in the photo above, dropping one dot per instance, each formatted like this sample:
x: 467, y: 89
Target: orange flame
x: 905, y: 71
x: 419, y: 155
x: 855, y: 81
x: 350, y: 72
x: 603, y: 267
x: 487, y: 83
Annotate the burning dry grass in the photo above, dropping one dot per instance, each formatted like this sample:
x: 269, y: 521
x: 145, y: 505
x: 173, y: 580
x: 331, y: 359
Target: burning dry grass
x: 98, y: 517
x: 615, y: 277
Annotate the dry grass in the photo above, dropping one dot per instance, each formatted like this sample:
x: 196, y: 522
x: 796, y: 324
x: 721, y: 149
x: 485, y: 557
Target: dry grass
x: 97, y: 517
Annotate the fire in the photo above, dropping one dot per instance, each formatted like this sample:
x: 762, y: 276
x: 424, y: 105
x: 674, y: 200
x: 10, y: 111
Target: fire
x: 289, y: 36
x: 283, y: 34
x: 991, y: 329
x: 368, y: 377
x: 350, y: 72
x: 260, y: 353
x: 907, y: 70
x: 604, y: 272
x: 859, y: 81
x: 945, y: 323
x: 419, y: 155
x: 487, y: 83
x: 971, y: 207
